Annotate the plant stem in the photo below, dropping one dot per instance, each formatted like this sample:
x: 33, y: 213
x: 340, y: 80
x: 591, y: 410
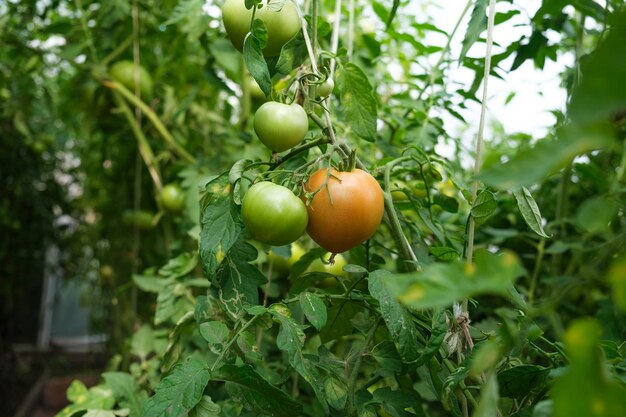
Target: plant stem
x: 144, y: 147
x: 231, y: 342
x: 355, y: 369
x: 136, y: 101
x: 481, y: 129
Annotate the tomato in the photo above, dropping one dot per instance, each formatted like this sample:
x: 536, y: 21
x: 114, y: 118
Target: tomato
x: 138, y: 218
x: 399, y: 190
x: 353, y: 215
x: 124, y: 73
x: 172, y: 198
x: 255, y: 90
x: 280, y: 126
x: 283, y: 265
x: 281, y: 25
x: 323, y: 266
x: 326, y: 88
x: 273, y: 214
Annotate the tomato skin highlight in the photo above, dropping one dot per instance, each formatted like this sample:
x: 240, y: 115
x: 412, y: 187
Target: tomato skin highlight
x: 281, y: 26
x: 273, y: 214
x: 353, y: 215
x: 281, y: 126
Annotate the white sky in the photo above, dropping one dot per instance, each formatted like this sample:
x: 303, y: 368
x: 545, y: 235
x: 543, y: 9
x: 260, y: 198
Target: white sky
x: 536, y: 91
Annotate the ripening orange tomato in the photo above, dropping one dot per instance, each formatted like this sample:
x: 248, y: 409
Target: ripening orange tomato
x: 351, y: 216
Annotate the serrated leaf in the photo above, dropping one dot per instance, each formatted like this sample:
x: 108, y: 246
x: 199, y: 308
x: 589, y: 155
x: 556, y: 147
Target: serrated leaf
x: 484, y: 206
x: 547, y: 157
x: 440, y: 285
x: 255, y: 62
x: 99, y: 397
x: 142, y: 342
x: 387, y: 356
x: 398, y: 320
x: 601, y: 91
x: 529, y: 210
x: 476, y: 26
x: 517, y: 381
x: 126, y: 391
x: 179, y: 266
x: 290, y: 340
x: 214, y: 331
x: 205, y: 408
x: 178, y: 339
x: 444, y: 253
x: 150, y: 283
x: 180, y: 391
x: 358, y: 101
x: 238, y: 280
x: 336, y: 392
x: 258, y: 392
x: 314, y: 309
x: 221, y: 223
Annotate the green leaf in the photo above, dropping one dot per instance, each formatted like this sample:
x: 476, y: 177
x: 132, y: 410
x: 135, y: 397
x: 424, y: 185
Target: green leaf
x: 179, y: 266
x: 398, y: 320
x: 142, y: 342
x: 221, y: 223
x: 178, y: 340
x: 254, y: 59
x: 150, y: 283
x: 290, y: 340
x: 358, y: 101
x: 338, y: 323
x: 214, y: 331
x: 205, y: 408
x: 602, y: 90
x: 488, y: 404
x: 258, y: 392
x: 594, y: 215
x: 437, y: 336
x: 99, y: 397
x: 336, y: 392
x: 126, y: 391
x: 449, y: 204
x: 392, y: 14
x: 529, y: 210
x: 237, y: 279
x: 585, y: 390
x: 530, y: 166
x: 440, y: 285
x: 485, y: 356
x: 387, y: 356
x: 516, y: 382
x: 484, y: 206
x: 444, y: 253
x: 476, y: 26
x: 180, y: 391
x: 314, y: 309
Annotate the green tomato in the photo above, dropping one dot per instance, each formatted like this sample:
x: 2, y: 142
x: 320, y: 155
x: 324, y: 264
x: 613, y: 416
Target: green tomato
x: 325, y: 88
x: 255, y: 90
x: 335, y: 269
x: 273, y: 214
x: 107, y: 274
x: 281, y: 126
x: 281, y: 25
x: 283, y: 265
x: 138, y: 218
x: 172, y: 198
x: 124, y: 73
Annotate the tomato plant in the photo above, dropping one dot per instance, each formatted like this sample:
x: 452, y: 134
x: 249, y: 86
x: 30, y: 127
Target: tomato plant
x: 273, y: 214
x: 346, y: 209
x: 325, y: 88
x: 282, y: 25
x: 280, y: 126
